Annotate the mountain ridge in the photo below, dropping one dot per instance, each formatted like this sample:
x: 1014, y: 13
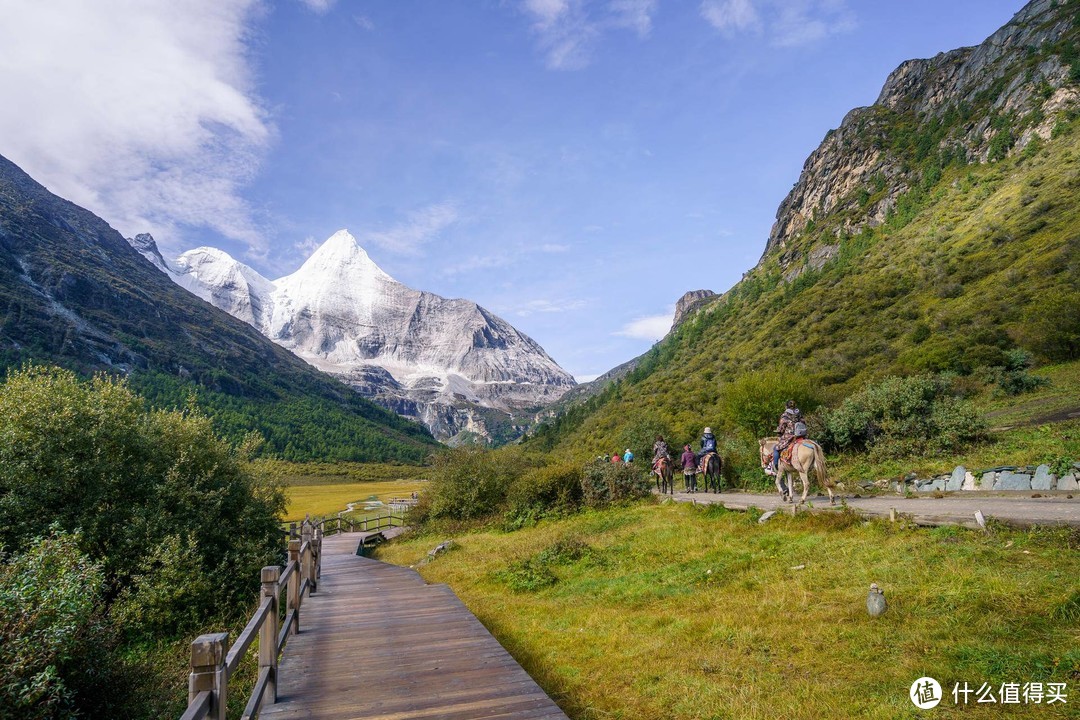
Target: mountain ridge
x: 448, y: 363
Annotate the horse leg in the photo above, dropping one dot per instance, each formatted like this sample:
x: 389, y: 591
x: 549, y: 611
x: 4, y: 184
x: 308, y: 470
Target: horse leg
x: 805, y: 485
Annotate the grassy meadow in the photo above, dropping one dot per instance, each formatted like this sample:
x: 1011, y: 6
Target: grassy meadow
x: 676, y: 611
x: 319, y: 489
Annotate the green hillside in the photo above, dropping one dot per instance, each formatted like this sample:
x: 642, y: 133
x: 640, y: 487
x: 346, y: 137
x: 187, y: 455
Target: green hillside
x: 74, y: 293
x: 960, y: 247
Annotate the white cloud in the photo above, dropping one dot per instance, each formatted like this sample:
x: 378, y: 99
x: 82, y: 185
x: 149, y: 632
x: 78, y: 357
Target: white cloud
x: 422, y: 227
x: 476, y: 262
x: 784, y: 23
x: 549, y: 306
x: 650, y: 327
x: 567, y: 29
x: 308, y: 245
x: 319, y: 7
x: 145, y: 113
x: 731, y: 15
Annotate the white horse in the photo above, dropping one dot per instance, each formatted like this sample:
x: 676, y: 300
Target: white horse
x: 806, y: 456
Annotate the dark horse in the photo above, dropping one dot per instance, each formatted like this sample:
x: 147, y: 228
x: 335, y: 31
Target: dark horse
x: 711, y: 466
x: 665, y: 476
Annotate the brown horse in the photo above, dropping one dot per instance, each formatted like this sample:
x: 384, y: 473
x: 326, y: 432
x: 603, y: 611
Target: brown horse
x: 665, y: 476
x: 806, y: 456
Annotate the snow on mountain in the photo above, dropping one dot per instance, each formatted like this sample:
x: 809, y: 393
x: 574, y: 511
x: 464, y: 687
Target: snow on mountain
x: 449, y: 363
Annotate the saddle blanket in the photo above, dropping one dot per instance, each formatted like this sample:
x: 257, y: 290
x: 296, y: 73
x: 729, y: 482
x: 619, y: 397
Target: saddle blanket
x: 785, y: 454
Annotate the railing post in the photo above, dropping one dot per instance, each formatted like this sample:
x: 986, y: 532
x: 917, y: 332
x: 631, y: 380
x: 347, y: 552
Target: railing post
x: 307, y: 561
x: 269, y: 632
x: 292, y: 531
x: 292, y: 601
x: 208, y: 671
x: 318, y: 553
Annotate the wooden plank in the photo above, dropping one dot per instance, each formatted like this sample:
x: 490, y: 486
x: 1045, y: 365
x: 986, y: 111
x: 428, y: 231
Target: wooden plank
x: 378, y: 643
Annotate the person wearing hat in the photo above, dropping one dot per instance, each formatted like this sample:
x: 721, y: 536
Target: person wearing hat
x: 708, y: 444
x: 628, y: 457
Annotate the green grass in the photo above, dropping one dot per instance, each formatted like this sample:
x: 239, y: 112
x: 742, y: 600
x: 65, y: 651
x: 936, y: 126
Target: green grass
x: 677, y: 611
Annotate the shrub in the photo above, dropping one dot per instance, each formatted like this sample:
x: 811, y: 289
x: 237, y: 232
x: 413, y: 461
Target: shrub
x: 604, y: 483
x: 900, y: 416
x: 755, y: 400
x: 51, y: 627
x: 88, y: 457
x: 539, y: 491
x: 470, y: 482
x: 1014, y: 378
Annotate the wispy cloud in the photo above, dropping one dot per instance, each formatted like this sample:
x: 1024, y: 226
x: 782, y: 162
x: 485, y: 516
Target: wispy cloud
x: 782, y: 23
x: 567, y: 29
x: 650, y: 327
x: 421, y: 227
x: 549, y: 306
x: 320, y: 7
x: 146, y: 113
x: 477, y: 262
x: 307, y: 246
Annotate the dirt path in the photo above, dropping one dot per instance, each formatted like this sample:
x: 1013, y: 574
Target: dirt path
x: 1051, y: 509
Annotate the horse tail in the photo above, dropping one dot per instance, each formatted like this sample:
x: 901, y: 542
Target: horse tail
x: 822, y: 468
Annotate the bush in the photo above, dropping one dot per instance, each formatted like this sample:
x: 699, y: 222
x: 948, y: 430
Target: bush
x: 470, y: 482
x: 901, y: 416
x: 51, y: 627
x: 604, y: 483
x: 88, y: 457
x: 542, y: 491
x: 755, y: 400
x: 1014, y: 378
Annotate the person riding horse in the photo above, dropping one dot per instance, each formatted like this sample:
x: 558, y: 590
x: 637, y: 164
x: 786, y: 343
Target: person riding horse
x: 786, y: 430
x: 659, y: 450
x: 708, y: 445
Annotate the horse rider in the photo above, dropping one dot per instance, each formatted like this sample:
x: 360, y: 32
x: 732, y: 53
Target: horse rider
x: 786, y: 430
x: 708, y: 445
x: 689, y: 469
x: 659, y: 451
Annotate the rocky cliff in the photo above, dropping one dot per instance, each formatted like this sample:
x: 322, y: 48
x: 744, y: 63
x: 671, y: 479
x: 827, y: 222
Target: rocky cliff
x: 972, y: 104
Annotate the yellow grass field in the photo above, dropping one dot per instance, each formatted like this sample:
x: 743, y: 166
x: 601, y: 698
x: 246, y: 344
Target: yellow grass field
x: 318, y: 500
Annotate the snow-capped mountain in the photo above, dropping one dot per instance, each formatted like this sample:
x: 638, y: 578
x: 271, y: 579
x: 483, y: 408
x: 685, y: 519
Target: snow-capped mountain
x: 449, y: 363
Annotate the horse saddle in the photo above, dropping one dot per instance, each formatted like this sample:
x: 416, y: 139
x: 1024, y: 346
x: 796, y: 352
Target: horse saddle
x: 785, y: 454
x: 705, y: 461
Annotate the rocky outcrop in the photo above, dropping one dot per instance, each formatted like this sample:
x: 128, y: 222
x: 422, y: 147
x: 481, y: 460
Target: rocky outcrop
x: 969, y: 103
x: 448, y: 363
x: 689, y: 302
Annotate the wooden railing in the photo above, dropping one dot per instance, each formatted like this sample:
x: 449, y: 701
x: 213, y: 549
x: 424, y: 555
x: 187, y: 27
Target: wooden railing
x: 213, y: 662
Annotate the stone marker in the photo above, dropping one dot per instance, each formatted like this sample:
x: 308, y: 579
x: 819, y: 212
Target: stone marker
x: 980, y: 519
x: 766, y: 516
x: 1044, y: 479
x: 875, y: 601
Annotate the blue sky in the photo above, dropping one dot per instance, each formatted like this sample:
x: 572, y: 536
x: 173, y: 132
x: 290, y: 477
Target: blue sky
x: 572, y: 165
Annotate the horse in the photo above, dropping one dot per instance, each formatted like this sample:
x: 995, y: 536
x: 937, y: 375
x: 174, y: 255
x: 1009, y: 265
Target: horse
x: 665, y: 476
x: 711, y: 466
x: 806, y: 456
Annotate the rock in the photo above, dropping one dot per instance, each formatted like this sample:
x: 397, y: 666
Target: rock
x: 766, y: 516
x: 969, y: 482
x: 875, y: 601
x: 988, y: 481
x: 1067, y: 483
x: 1044, y: 479
x: 935, y: 485
x: 1014, y: 481
x: 956, y: 480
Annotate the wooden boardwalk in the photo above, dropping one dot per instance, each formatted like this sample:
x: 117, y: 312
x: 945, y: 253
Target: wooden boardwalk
x: 376, y: 642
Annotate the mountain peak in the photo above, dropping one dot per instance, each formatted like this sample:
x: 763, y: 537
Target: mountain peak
x: 341, y: 256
